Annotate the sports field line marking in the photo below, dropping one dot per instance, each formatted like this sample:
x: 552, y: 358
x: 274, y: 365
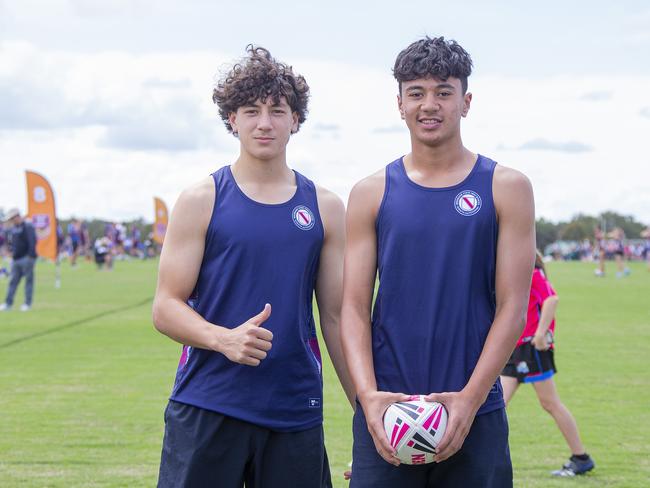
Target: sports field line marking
x: 59, y: 328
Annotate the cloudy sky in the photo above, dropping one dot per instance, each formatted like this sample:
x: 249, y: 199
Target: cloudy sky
x: 111, y: 100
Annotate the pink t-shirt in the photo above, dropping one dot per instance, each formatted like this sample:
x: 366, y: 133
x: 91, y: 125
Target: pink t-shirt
x: 540, y: 290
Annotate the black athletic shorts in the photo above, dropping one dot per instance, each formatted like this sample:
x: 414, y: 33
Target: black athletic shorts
x: 206, y: 449
x: 482, y: 462
x: 529, y: 365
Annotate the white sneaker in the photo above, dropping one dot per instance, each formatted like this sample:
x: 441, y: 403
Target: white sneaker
x: 25, y: 308
x: 4, y: 307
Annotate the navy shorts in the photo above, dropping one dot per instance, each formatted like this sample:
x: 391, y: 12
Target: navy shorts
x: 483, y: 461
x: 206, y: 449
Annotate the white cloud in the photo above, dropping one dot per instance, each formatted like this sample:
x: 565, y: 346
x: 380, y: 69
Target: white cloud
x: 112, y: 129
x: 597, y: 96
x: 540, y: 144
x: 141, y: 102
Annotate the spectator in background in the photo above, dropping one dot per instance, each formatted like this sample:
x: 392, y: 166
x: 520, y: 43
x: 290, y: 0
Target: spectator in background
x: 532, y: 362
x: 60, y: 241
x: 120, y: 235
x: 84, y: 240
x: 4, y: 271
x: 150, y: 246
x: 74, y: 235
x: 619, y: 251
x: 586, y: 250
x: 23, y: 244
x: 599, y: 244
x: 102, y: 251
x: 136, y: 237
x: 645, y: 233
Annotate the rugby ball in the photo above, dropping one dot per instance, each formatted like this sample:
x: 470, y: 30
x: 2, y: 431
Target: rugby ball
x: 414, y: 428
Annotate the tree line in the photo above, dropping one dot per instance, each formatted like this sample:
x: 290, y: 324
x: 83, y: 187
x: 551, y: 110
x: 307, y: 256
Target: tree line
x: 582, y: 227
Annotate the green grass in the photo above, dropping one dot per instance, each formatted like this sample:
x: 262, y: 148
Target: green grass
x: 84, y: 379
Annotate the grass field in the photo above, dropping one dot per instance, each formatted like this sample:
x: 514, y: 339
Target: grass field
x: 84, y: 380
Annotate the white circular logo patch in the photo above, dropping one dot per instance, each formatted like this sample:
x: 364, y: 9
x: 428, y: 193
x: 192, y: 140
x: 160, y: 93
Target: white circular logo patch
x: 303, y: 217
x: 467, y: 203
x: 40, y: 195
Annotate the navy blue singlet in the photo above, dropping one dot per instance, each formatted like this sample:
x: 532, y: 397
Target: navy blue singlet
x: 254, y: 254
x: 436, y: 253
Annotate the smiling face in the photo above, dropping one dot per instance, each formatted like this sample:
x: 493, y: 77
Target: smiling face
x: 432, y: 109
x: 264, y: 128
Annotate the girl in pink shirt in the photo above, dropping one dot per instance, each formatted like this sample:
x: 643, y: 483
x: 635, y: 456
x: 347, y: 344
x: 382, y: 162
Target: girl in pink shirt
x: 532, y: 362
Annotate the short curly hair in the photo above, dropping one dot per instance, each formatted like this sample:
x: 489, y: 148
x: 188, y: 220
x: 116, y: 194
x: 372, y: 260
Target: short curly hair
x: 259, y: 76
x: 436, y: 57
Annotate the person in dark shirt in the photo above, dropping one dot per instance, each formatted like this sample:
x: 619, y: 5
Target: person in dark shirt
x: 22, y: 238
x: 4, y: 252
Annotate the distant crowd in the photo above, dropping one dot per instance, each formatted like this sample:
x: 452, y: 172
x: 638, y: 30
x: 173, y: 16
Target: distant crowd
x: 612, y: 244
x: 633, y: 250
x: 117, y: 242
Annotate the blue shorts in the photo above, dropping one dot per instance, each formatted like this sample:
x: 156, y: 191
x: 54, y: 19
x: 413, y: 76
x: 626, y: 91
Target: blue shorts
x: 206, y: 449
x: 483, y: 461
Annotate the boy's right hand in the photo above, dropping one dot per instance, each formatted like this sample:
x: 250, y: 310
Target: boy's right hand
x: 374, y: 406
x: 248, y: 343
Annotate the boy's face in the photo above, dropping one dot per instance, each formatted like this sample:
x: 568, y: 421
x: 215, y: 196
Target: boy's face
x: 432, y: 108
x: 264, y: 128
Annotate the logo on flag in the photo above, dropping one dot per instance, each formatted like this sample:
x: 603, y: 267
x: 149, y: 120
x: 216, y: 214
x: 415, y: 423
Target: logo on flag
x: 40, y: 195
x: 467, y: 203
x: 303, y: 217
x: 41, y: 223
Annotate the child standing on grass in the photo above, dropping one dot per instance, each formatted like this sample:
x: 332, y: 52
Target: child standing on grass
x: 532, y: 362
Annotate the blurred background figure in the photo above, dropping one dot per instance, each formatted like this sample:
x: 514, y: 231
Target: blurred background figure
x: 22, y: 239
x: 618, y: 237
x: 4, y: 252
x: 532, y: 362
x: 599, y: 245
x: 85, y: 243
x: 646, y: 250
x: 103, y: 253
x: 74, y: 235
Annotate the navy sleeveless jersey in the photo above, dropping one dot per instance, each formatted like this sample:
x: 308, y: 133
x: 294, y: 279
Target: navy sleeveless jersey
x: 254, y: 254
x: 436, y: 254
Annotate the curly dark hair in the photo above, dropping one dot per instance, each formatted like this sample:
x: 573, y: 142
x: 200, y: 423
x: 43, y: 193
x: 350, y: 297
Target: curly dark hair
x: 256, y: 77
x: 433, y: 57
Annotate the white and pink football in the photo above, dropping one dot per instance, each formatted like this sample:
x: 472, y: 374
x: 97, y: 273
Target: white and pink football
x: 415, y: 428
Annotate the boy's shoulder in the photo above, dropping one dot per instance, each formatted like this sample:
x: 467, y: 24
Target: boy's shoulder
x: 507, y: 177
x: 198, y: 198
x: 371, y: 185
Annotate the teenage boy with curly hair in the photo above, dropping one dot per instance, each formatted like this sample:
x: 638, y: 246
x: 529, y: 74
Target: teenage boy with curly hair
x: 452, y: 236
x: 244, y: 252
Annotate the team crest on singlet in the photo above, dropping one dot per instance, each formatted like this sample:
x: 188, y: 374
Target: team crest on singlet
x: 303, y: 217
x: 467, y: 203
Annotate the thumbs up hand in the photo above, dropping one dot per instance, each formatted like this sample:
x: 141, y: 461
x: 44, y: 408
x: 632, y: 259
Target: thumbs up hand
x: 261, y: 317
x: 248, y: 343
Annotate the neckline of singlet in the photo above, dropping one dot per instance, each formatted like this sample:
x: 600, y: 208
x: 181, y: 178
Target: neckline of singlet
x: 403, y: 172
x: 262, y: 204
